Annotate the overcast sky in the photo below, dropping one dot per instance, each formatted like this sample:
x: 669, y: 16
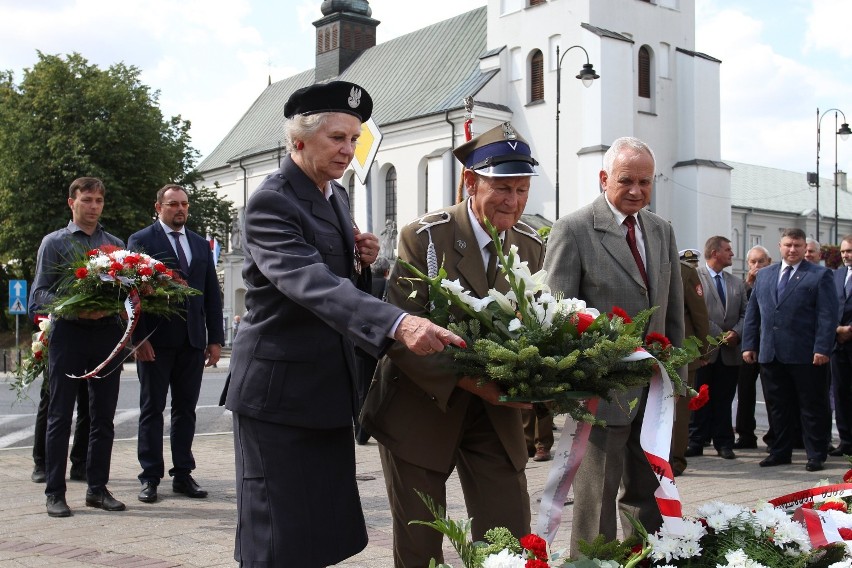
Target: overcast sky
x: 210, y: 59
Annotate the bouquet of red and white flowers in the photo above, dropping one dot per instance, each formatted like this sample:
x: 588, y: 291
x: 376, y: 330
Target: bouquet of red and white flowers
x: 540, y: 347
x: 107, y: 276
x: 34, y: 363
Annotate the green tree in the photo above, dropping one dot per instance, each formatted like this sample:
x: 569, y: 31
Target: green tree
x: 68, y: 119
x: 210, y: 214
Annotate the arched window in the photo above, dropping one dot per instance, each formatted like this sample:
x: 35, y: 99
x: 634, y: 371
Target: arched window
x: 537, y: 76
x: 644, y: 72
x: 351, y: 191
x: 390, y: 195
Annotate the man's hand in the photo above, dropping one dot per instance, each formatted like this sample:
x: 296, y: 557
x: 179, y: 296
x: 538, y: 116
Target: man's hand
x: 423, y: 337
x: 489, y: 392
x: 750, y: 356
x: 752, y: 275
x: 211, y: 354
x: 820, y: 359
x: 368, y: 246
x: 144, y: 351
x: 844, y: 333
x: 731, y: 338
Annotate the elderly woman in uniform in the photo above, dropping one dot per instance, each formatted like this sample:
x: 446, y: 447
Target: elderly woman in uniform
x: 291, y: 386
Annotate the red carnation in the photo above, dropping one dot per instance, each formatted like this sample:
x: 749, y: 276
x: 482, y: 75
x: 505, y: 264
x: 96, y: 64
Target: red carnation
x: 131, y: 260
x: 847, y: 477
x: 582, y: 322
x: 106, y: 249
x: 616, y: 311
x: 160, y: 267
x: 93, y: 252
x: 116, y: 266
x: 536, y: 545
x: 536, y: 563
x: 659, y: 338
x: 833, y: 506
x: 144, y: 271
x: 701, y: 398
x: 845, y: 533
x: 81, y: 272
x: 38, y: 355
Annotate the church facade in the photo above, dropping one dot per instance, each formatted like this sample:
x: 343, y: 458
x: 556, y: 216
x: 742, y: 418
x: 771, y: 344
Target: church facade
x: 652, y: 85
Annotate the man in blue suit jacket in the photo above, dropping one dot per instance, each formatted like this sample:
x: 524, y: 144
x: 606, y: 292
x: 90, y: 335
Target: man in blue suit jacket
x: 789, y: 329
x: 172, y: 353
x: 841, y: 357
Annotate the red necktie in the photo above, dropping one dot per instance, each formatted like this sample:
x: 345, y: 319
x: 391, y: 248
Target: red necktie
x: 630, y: 222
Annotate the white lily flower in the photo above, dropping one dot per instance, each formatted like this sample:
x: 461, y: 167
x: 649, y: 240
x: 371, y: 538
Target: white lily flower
x: 503, y: 300
x: 515, y: 324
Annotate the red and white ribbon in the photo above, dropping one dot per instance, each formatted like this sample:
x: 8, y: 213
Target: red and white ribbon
x: 822, y: 528
x: 655, y: 439
x: 132, y: 307
x: 793, y: 501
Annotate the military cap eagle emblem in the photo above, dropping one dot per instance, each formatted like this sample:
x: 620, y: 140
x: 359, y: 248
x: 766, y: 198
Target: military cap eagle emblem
x: 354, y: 97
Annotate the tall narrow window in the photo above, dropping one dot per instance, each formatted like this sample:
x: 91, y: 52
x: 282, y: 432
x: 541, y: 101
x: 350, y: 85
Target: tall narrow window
x: 537, y: 76
x: 537, y: 2
x: 644, y: 72
x: 351, y: 190
x: 390, y: 195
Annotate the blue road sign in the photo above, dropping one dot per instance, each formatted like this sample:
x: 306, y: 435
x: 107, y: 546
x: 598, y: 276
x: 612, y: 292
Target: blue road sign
x: 17, y: 297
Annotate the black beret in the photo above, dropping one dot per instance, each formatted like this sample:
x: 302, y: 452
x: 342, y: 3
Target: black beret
x: 336, y: 96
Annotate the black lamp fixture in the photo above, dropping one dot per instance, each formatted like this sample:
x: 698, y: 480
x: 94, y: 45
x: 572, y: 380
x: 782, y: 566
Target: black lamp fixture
x: 843, y: 132
x: 587, y: 75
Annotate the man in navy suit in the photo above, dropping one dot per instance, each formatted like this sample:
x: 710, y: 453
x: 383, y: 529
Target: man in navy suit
x: 172, y: 353
x: 841, y: 357
x: 789, y: 329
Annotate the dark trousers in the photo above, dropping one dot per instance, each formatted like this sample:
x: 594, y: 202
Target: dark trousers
x: 797, y: 393
x: 76, y: 347
x: 365, y: 367
x: 178, y: 369
x: 746, y: 401
x: 80, y: 447
x: 713, y: 420
x: 841, y: 385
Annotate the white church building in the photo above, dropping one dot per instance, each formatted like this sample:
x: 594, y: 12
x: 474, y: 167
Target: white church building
x: 652, y: 85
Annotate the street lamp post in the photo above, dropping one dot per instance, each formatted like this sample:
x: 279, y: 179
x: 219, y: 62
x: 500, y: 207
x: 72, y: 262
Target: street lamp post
x: 844, y: 131
x: 587, y: 75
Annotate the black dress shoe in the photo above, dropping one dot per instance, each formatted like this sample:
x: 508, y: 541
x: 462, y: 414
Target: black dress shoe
x: 38, y: 474
x: 771, y: 460
x: 727, y: 453
x: 103, y: 499
x: 77, y: 473
x: 692, y: 451
x: 57, y: 507
x: 742, y: 444
x: 148, y: 493
x: 837, y: 452
x: 814, y: 465
x: 188, y: 486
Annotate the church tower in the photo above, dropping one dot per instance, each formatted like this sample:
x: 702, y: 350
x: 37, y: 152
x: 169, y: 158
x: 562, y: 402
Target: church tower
x: 345, y: 31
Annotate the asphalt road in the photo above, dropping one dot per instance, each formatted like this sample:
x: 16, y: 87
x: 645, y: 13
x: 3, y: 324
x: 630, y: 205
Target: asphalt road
x: 17, y: 418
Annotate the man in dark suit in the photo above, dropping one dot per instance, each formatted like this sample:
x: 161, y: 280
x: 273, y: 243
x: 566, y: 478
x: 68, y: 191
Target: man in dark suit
x: 789, y: 329
x: 725, y: 297
x: 428, y: 421
x: 841, y: 356
x: 172, y: 353
x: 614, y: 252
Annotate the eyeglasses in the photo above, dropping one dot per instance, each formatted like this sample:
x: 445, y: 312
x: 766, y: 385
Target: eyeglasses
x: 172, y: 204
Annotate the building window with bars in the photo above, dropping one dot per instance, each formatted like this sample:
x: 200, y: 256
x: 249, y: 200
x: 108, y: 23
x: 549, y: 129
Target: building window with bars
x: 536, y: 76
x: 390, y: 195
x: 644, y: 72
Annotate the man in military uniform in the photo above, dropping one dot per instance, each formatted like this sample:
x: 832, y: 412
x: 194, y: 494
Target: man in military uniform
x: 697, y: 323
x: 427, y: 420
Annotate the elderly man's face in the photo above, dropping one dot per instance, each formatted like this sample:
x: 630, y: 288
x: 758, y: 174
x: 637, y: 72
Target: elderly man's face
x: 631, y: 183
x: 501, y: 200
x: 812, y: 253
x: 758, y: 259
x: 846, y: 252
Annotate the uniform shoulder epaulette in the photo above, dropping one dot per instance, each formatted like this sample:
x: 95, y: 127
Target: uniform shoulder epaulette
x: 430, y: 220
x: 525, y: 229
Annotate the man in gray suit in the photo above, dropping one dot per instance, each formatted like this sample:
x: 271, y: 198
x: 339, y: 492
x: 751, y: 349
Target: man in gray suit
x: 614, y: 252
x: 725, y: 297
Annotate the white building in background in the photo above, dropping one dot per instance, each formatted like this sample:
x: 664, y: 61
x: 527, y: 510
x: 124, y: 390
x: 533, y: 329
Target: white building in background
x: 653, y: 85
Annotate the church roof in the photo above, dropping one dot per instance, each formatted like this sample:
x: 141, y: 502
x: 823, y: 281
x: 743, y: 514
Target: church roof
x: 771, y: 189
x: 422, y: 73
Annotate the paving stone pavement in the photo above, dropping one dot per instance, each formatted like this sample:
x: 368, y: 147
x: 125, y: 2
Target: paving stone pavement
x: 178, y: 531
